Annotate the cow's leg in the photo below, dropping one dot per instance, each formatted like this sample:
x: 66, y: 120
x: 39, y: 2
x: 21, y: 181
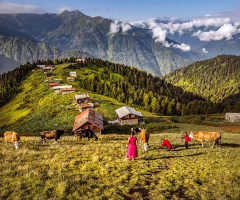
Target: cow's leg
x: 214, y: 144
x: 16, y: 144
x: 145, y: 146
x: 6, y: 142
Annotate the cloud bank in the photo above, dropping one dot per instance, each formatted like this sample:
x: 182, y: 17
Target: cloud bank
x: 7, y: 7
x: 117, y: 26
x: 213, y: 28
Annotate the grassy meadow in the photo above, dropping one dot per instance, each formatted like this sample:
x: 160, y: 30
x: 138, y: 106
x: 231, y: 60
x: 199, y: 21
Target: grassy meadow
x: 74, y: 169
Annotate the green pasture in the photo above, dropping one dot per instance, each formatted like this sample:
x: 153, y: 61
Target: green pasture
x: 74, y: 169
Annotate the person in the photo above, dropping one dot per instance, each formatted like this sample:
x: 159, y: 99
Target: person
x: 166, y: 144
x: 132, y: 152
x: 187, y: 139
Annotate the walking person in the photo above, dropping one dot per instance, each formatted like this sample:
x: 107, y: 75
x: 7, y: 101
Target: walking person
x: 132, y: 152
x: 187, y: 139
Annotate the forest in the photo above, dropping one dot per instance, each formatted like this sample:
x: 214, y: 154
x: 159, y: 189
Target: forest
x: 126, y: 84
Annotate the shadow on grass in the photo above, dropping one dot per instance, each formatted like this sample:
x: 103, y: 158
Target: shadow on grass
x: 230, y: 145
x: 173, y: 156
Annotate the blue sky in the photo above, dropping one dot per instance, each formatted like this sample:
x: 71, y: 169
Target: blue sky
x: 129, y: 10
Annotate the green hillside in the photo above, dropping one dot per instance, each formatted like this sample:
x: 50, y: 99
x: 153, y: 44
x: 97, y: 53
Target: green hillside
x: 215, y: 79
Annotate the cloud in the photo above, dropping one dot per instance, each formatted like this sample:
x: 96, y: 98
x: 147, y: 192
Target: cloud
x: 183, y: 47
x: 64, y: 9
x: 117, y: 25
x: 226, y: 31
x: 204, y: 50
x: 8, y: 7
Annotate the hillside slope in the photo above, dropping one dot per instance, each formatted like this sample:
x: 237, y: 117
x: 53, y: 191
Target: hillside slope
x: 215, y: 79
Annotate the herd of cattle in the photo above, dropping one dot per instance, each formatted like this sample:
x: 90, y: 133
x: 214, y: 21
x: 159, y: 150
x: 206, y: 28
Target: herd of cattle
x: 13, y: 137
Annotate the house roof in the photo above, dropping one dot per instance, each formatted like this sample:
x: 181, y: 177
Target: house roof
x: 90, y: 116
x: 51, y: 84
x: 80, y: 96
x: 123, y: 111
x: 86, y: 105
x: 62, y: 86
x: 73, y: 72
x: 235, y: 116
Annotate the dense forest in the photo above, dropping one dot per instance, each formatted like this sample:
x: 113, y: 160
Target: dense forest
x: 215, y: 79
x: 126, y: 84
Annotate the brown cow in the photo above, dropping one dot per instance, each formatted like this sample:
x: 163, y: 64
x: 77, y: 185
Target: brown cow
x: 206, y: 135
x: 11, y: 136
x: 51, y: 134
x: 144, y: 136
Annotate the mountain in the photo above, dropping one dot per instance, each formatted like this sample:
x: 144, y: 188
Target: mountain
x: 18, y: 50
x: 76, y: 31
x: 216, y: 79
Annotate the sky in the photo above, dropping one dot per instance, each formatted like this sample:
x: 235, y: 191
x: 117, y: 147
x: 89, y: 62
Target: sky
x: 221, y: 16
x: 128, y: 10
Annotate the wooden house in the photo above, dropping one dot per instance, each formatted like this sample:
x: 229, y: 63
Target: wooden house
x: 71, y: 79
x: 51, y: 85
x: 127, y: 115
x: 85, y: 106
x: 47, y: 69
x: 80, y: 60
x: 232, y: 117
x: 57, y: 89
x: 67, y: 90
x: 81, y: 99
x: 73, y: 74
x: 55, y: 81
x: 40, y: 66
x: 52, y: 66
x: 89, y: 119
x: 49, y: 74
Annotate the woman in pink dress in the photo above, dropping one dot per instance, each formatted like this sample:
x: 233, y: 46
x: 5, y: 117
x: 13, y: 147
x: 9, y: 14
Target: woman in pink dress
x: 132, y: 147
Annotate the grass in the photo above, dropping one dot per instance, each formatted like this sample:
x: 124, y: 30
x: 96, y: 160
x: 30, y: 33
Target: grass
x: 74, y: 169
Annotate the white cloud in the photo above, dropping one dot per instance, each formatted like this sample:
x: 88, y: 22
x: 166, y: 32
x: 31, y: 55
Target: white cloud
x: 183, y: 47
x: 116, y: 25
x: 204, y: 50
x: 8, y: 7
x: 225, y: 31
x: 64, y: 9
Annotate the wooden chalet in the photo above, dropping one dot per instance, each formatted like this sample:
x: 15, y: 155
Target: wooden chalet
x: 80, y: 60
x: 85, y: 106
x: 67, y: 90
x: 57, y: 89
x: 89, y: 119
x: 71, y: 79
x: 47, y: 69
x: 232, y: 117
x: 52, y: 66
x: 40, y: 66
x: 51, y: 85
x: 81, y: 99
x: 73, y: 74
x: 55, y: 81
x: 127, y: 115
x: 49, y: 74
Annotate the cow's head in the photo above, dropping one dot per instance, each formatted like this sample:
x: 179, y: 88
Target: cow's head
x: 136, y: 130
x: 192, y: 134
x: 60, y: 132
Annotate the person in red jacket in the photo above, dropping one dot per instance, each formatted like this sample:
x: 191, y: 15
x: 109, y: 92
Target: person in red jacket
x: 166, y: 144
x: 187, y: 139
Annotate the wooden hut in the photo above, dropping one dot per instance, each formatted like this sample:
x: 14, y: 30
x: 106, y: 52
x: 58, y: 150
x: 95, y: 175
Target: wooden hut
x: 89, y: 119
x: 232, y: 117
x: 127, y: 115
x: 81, y: 99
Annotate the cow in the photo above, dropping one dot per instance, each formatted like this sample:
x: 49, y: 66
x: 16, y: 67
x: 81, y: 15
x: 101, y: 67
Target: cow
x: 56, y: 134
x: 12, y: 137
x: 85, y: 133
x: 144, y: 136
x: 206, y: 135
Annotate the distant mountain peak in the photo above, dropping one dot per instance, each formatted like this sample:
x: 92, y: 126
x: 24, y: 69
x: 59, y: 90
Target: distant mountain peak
x: 74, y: 13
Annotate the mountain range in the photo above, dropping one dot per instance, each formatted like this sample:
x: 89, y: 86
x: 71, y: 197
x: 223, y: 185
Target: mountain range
x: 28, y: 37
